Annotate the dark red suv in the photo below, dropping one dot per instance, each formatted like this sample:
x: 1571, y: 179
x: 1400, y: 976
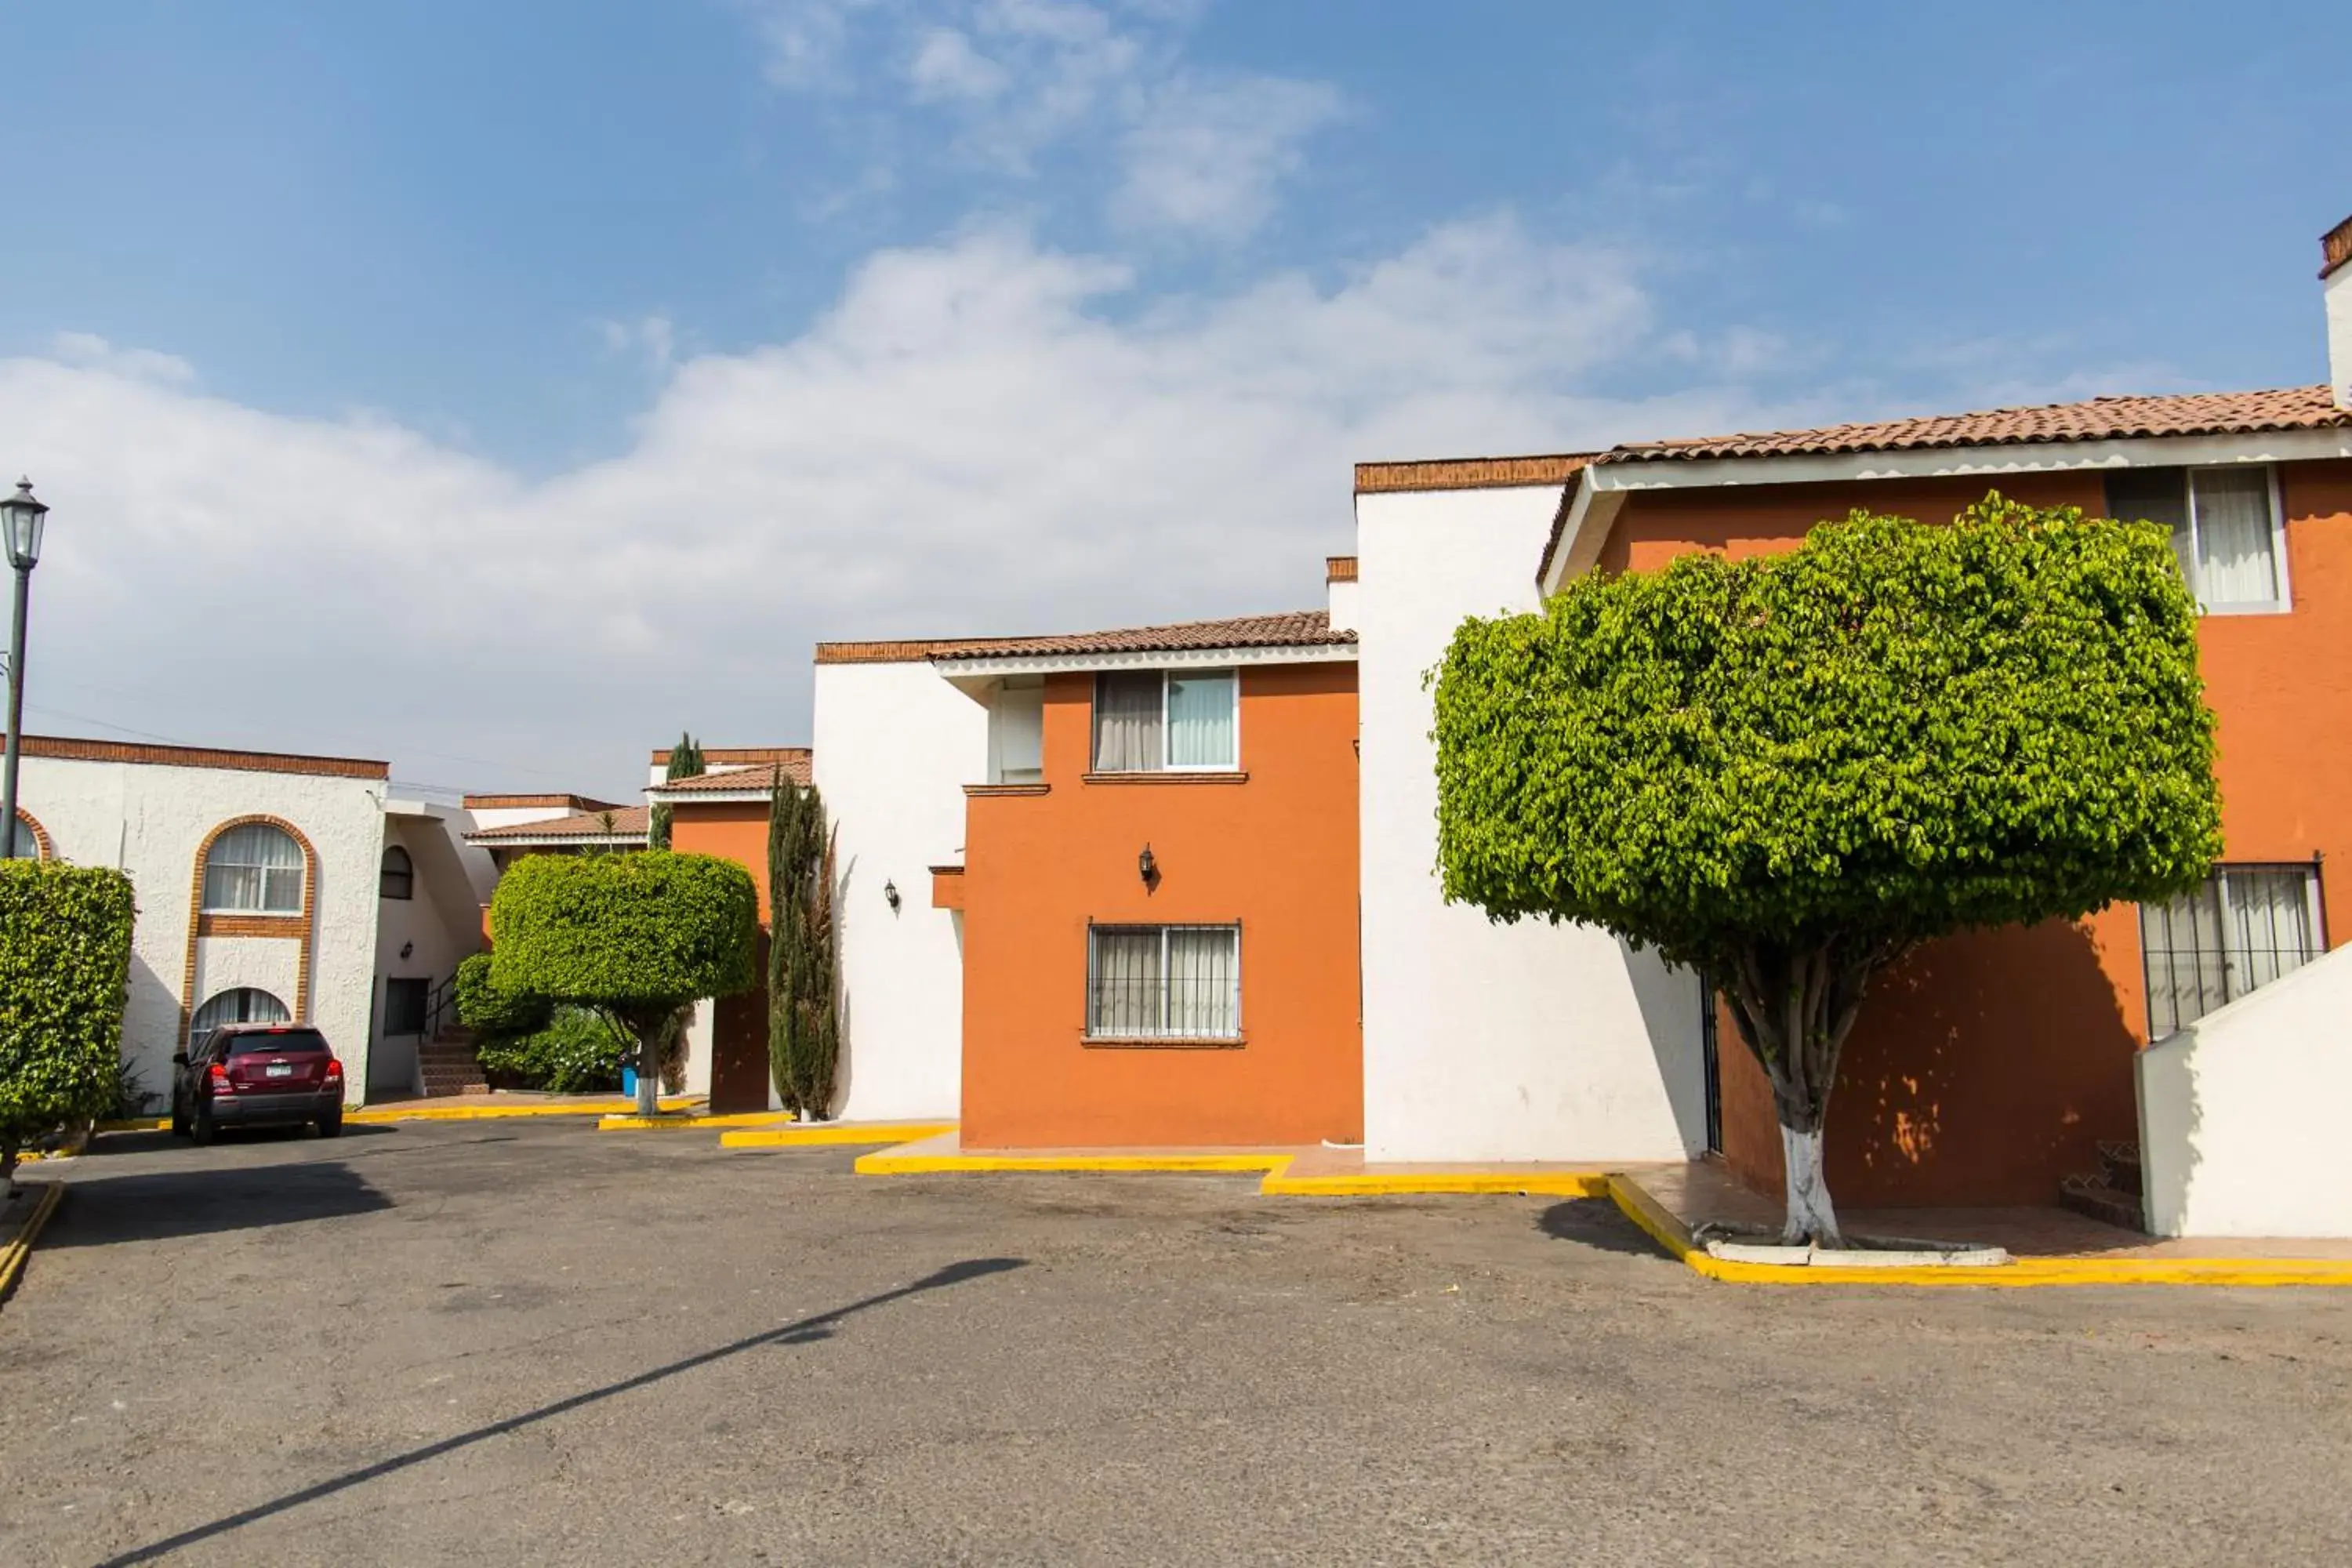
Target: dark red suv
x: 256, y: 1075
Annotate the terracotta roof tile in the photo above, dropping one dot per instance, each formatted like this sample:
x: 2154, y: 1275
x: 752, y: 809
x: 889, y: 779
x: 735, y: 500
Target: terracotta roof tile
x: 2098, y: 419
x: 628, y: 822
x: 714, y: 755
x: 795, y: 761
x: 1301, y: 628
x: 509, y: 802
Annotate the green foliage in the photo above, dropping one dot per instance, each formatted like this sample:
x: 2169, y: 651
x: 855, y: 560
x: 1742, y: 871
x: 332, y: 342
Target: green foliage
x: 685, y: 763
x: 803, y: 1019
x: 1899, y: 729
x: 576, y: 1050
x: 636, y: 934
x: 65, y: 965
x: 488, y: 1010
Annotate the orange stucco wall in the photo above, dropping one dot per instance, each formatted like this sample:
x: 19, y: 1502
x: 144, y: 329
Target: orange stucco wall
x: 1276, y: 852
x: 1988, y: 1066
x: 737, y: 831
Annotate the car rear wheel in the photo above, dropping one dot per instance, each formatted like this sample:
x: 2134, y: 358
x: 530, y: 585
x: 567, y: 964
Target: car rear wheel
x: 201, y: 1129
x: 331, y: 1125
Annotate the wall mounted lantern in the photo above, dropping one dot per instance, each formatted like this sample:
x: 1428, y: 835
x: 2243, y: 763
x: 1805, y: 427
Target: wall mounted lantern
x: 1146, y: 866
x: 890, y: 896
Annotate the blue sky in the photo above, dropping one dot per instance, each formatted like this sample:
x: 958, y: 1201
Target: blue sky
x: 558, y: 371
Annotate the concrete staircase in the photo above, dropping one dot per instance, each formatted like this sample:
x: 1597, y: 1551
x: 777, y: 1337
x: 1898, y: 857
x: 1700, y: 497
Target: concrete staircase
x: 2114, y: 1194
x: 448, y: 1064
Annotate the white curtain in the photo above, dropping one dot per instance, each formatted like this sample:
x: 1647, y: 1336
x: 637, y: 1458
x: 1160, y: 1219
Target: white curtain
x: 1203, y: 982
x: 254, y: 866
x: 1125, y: 989
x: 2234, y: 536
x: 22, y: 845
x: 2269, y: 926
x: 1201, y: 721
x: 2186, y: 977
x: 243, y: 1006
x: 1126, y: 723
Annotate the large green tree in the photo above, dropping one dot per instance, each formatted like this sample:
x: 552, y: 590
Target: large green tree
x: 685, y: 763
x: 65, y: 969
x: 803, y: 1019
x: 1790, y: 771
x: 639, y: 938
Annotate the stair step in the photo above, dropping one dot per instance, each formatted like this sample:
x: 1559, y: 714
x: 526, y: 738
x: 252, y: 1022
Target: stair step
x: 2092, y: 1196
x: 2121, y: 1157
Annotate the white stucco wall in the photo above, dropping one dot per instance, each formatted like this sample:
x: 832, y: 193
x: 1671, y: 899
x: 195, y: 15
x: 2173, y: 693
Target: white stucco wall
x: 1341, y: 598
x: 894, y: 746
x: 2242, y: 1113
x: 1486, y: 1042
x: 149, y: 819
x: 2339, y: 300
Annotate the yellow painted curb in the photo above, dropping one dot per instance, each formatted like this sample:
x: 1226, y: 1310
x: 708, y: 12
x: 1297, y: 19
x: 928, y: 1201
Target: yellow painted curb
x: 137, y: 1124
x: 1274, y: 1167
x: 1654, y: 1217
x: 688, y: 1122
x: 890, y: 1163
x: 1537, y: 1183
x: 381, y: 1114
x: 823, y: 1134
x: 19, y: 1246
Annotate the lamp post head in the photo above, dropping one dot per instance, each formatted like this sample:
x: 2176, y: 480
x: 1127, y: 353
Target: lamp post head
x: 20, y: 526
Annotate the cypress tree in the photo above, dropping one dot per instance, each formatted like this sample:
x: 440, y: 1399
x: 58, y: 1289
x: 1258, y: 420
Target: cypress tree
x: 685, y: 763
x: 804, y: 1024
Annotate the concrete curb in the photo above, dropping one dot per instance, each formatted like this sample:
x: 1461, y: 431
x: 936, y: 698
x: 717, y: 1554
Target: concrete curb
x: 379, y: 1115
x: 686, y: 1122
x: 19, y: 1246
x: 833, y: 1134
x: 1645, y: 1211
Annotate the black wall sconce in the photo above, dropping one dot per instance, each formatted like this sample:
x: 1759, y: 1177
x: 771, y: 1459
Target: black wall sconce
x: 406, y: 948
x: 890, y: 896
x: 1146, y: 866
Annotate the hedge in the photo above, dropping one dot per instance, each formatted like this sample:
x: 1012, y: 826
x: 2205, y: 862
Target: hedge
x: 64, y: 968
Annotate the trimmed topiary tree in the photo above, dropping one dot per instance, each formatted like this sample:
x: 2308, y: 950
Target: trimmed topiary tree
x: 1789, y: 772
x: 685, y: 763
x: 490, y: 1011
x: 639, y: 938
x: 803, y: 1019
x: 65, y: 971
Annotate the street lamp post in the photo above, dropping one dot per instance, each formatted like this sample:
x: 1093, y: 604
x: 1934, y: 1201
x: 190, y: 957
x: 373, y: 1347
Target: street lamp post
x: 20, y: 523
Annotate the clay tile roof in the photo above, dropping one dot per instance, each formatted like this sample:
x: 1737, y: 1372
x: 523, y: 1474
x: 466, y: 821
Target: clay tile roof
x: 794, y: 760
x: 1300, y: 628
x: 628, y: 823
x: 2098, y: 419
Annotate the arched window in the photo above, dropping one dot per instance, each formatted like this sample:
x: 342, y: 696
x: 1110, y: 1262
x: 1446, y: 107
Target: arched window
x: 246, y: 1005
x: 24, y: 844
x: 256, y: 867
x: 399, y: 877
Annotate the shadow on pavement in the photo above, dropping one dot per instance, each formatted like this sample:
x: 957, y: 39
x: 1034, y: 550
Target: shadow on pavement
x: 801, y: 1331
x: 101, y: 1211
x: 1596, y: 1223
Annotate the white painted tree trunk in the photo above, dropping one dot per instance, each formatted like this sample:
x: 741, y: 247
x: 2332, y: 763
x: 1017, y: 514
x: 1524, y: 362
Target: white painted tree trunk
x: 1810, y: 1218
x: 649, y: 1050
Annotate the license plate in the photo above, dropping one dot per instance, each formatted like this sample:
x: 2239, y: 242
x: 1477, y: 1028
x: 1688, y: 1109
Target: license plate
x: 278, y: 1069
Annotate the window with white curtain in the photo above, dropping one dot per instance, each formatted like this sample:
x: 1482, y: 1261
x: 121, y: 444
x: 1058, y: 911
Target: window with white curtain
x: 1164, y: 983
x: 22, y: 843
x: 2225, y: 529
x: 255, y: 867
x: 2243, y: 929
x: 1160, y: 720
x: 246, y: 1005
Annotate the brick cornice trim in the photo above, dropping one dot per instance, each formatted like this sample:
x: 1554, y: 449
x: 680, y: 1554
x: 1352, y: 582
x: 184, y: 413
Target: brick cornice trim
x: 301, y: 923
x: 1339, y: 569
x: 67, y: 749
x: 249, y: 925
x: 989, y: 792
x: 43, y: 850
x: 2336, y: 247
x: 1468, y: 473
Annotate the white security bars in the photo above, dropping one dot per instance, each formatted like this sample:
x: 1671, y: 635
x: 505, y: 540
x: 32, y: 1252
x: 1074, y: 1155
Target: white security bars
x: 1164, y: 983
x: 2245, y: 928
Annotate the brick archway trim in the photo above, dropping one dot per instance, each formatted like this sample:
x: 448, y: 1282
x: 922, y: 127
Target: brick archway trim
x: 43, y: 848
x: 299, y: 928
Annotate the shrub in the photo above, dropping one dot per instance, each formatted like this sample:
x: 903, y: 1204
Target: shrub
x: 803, y: 1020
x: 65, y: 966
x: 485, y: 1008
x: 576, y: 1051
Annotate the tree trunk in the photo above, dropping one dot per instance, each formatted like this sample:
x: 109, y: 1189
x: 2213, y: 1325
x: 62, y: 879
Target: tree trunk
x: 649, y: 1071
x: 1794, y: 1006
x: 7, y: 1164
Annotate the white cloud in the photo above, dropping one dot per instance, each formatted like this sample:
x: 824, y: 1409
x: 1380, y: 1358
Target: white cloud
x: 946, y: 66
x: 90, y: 352
x: 965, y: 442
x: 805, y: 41
x: 650, y: 339
x: 1206, y: 158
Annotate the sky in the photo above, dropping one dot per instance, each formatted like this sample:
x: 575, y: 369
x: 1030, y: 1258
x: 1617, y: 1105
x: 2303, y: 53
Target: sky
x: 501, y: 387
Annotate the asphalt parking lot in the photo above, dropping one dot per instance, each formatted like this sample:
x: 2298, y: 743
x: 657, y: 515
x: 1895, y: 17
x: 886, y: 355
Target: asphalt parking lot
x: 515, y: 1342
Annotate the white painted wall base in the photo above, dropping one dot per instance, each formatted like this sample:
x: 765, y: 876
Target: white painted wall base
x: 2241, y: 1114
